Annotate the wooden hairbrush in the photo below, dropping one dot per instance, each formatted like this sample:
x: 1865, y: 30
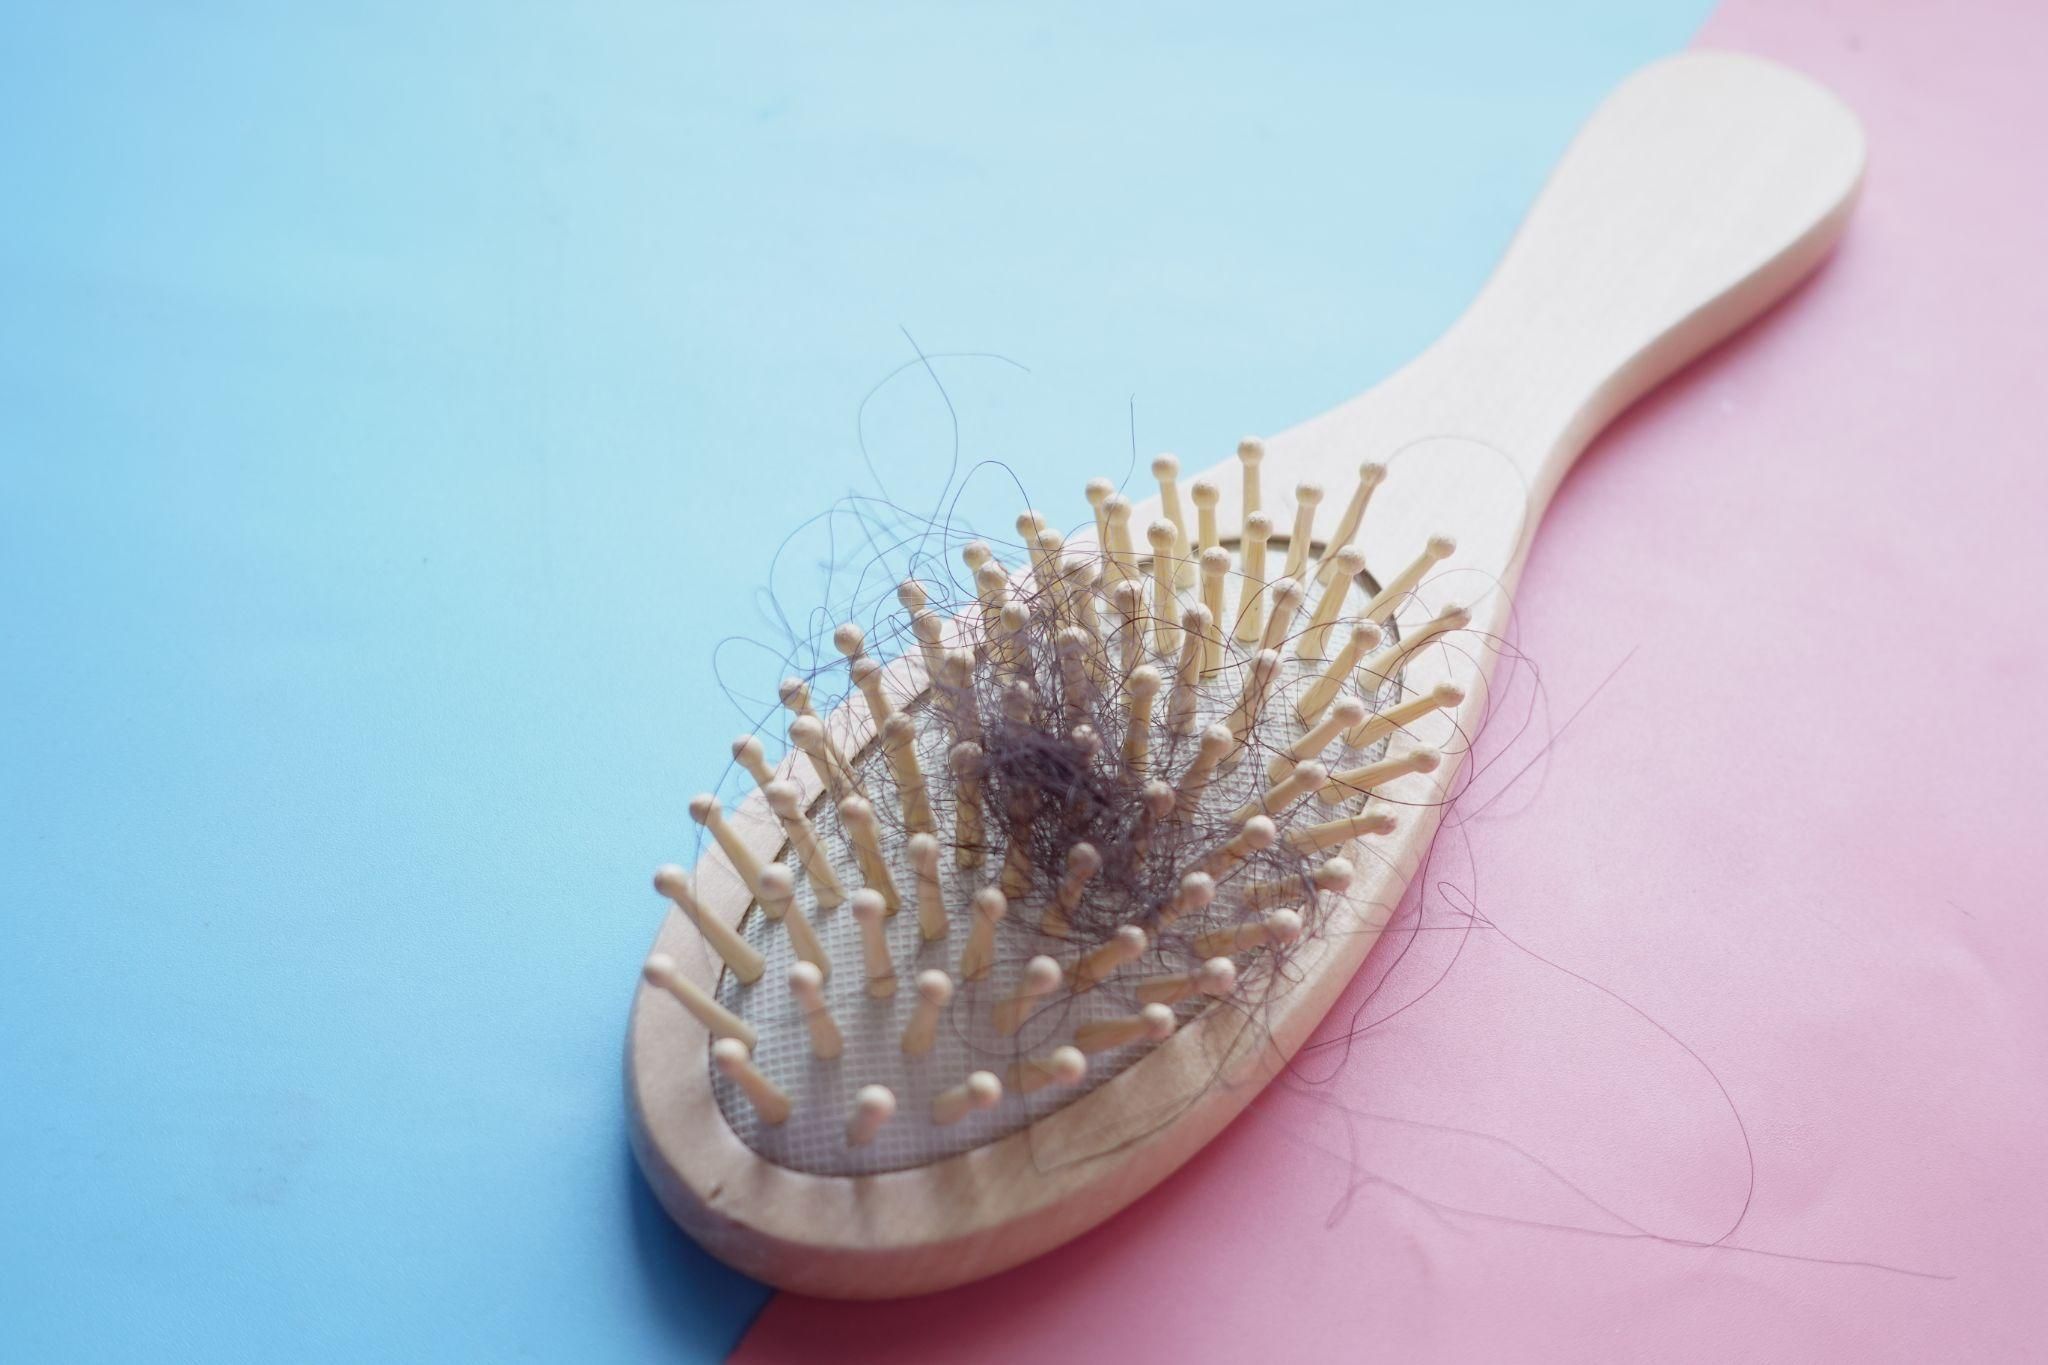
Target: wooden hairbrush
x: 1105, y: 823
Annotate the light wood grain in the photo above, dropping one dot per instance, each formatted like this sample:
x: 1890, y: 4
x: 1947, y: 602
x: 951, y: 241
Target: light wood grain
x: 1705, y: 188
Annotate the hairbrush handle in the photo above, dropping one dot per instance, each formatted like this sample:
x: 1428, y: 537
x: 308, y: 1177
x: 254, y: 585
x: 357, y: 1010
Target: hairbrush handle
x: 1703, y: 189
x: 1700, y: 193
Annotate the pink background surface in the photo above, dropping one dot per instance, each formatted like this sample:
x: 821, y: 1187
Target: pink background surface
x: 1785, y: 804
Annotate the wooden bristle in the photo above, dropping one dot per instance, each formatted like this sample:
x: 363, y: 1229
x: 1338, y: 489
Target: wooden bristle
x: 1334, y: 875
x: 857, y: 817
x: 1259, y: 679
x: 1152, y: 1024
x: 1139, y: 692
x: 979, y: 954
x: 1215, y: 565
x: 1352, y: 782
x: 1251, y: 608
x: 1156, y: 803
x: 1161, y: 536
x: 1020, y: 702
x: 796, y: 695
x: 1123, y: 556
x: 954, y: 672
x: 1083, y: 862
x: 899, y: 743
x: 1288, y: 595
x: 661, y: 972
x: 1084, y: 578
x: 778, y: 902
x: 785, y: 800
x: 1041, y: 978
x: 1018, y: 873
x: 1029, y: 524
x: 750, y: 754
x: 992, y: 588
x: 1385, y: 667
x: 1251, y: 452
x: 1099, y: 493
x: 934, y: 993
x: 807, y: 734
x: 1362, y: 640
x: 981, y: 1090
x: 1052, y: 565
x: 1258, y: 834
x: 974, y: 554
x: 1277, y: 929
x: 1306, y: 778
x: 873, y: 1106
x: 1129, y: 601
x: 1204, y: 494
x: 1182, y: 705
x: 705, y: 810
x: 1166, y: 469
x: 1066, y: 1066
x: 1197, y: 892
x: 1307, y: 497
x: 867, y: 676
x: 930, y: 631
x: 1375, y: 728
x: 1076, y: 650
x: 969, y: 830
x: 1348, y: 711
x: 1370, y: 476
x: 1012, y: 650
x: 872, y: 916
x: 1216, y: 977
x: 931, y: 897
x: 1315, y: 636
x: 1215, y: 745
x: 737, y: 954
x: 807, y: 988
x: 1331, y: 833
x: 729, y: 1055
x: 1388, y: 600
x: 1125, y: 945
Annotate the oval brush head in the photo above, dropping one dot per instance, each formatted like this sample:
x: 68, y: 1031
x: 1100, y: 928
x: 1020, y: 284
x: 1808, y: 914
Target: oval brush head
x: 1077, y: 814
x: 1098, y: 835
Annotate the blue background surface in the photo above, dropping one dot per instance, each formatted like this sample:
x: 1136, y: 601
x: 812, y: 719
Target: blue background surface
x: 394, y: 405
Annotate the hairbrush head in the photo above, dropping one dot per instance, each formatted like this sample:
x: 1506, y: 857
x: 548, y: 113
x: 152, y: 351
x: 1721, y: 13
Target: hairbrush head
x: 1086, y: 856
x: 1095, y: 866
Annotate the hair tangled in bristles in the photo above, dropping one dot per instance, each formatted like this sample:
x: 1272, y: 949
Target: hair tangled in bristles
x: 1043, y: 673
